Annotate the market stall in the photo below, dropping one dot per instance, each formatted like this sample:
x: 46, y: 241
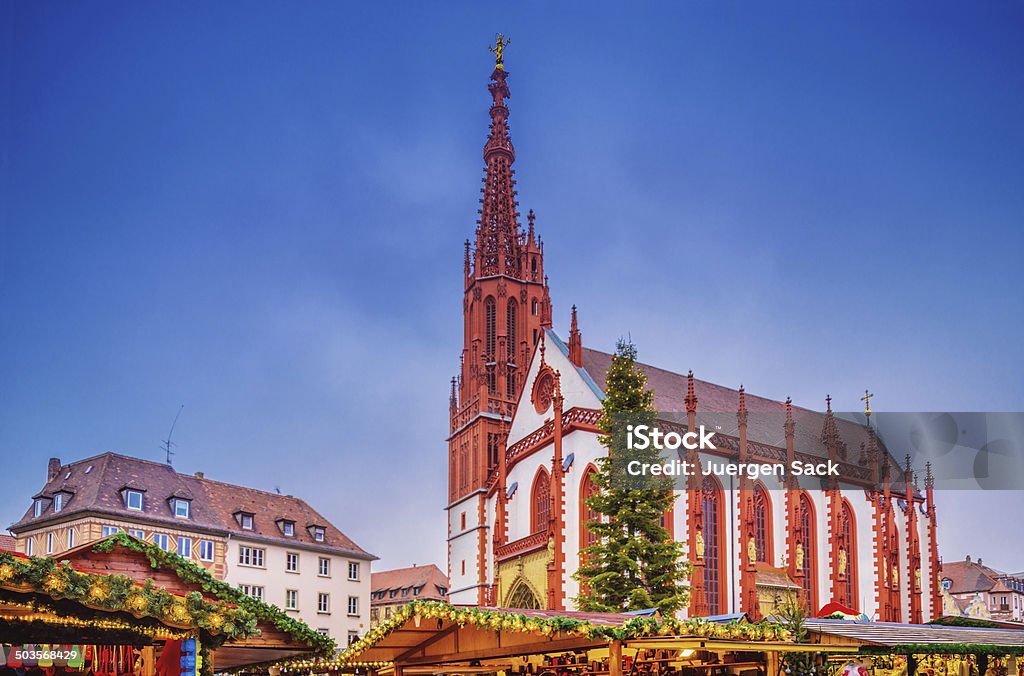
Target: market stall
x: 77, y: 615
x: 884, y: 648
x: 437, y: 638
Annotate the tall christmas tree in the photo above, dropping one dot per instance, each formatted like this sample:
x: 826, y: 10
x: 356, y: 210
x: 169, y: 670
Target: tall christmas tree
x: 634, y: 563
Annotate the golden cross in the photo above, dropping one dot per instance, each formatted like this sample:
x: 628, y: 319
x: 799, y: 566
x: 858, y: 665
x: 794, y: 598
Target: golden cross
x: 499, y: 51
x: 867, y: 403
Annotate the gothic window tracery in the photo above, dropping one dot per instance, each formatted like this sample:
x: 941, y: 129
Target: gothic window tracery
x: 711, y: 497
x: 540, y: 510
x: 763, y: 524
x: 808, y: 541
x: 848, y: 542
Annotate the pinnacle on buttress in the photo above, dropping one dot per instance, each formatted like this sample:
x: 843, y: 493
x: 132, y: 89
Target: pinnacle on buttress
x: 691, y: 395
x: 828, y: 404
x: 575, y: 341
x: 743, y: 399
x: 530, y: 235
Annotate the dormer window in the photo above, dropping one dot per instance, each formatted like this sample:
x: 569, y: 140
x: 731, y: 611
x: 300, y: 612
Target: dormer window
x: 245, y: 520
x: 38, y: 506
x: 288, y: 528
x: 133, y: 499
x: 182, y: 508
x: 318, y: 533
x: 58, y: 502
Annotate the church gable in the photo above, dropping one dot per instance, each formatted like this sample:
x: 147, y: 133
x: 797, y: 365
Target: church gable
x: 534, y: 405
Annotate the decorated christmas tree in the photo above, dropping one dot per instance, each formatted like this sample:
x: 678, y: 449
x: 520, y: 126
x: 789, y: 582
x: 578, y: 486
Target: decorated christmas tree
x: 633, y: 564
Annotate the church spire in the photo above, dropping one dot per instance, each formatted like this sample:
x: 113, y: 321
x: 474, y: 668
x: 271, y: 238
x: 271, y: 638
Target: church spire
x: 497, y: 236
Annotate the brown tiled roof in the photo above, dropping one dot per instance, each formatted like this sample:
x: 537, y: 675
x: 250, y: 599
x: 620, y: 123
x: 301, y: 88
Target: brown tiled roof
x: 764, y: 424
x: 97, y: 483
x: 769, y: 576
x: 7, y: 542
x: 968, y: 576
x: 428, y: 578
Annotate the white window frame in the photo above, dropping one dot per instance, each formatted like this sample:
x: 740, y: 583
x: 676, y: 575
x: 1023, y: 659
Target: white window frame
x: 244, y: 519
x: 323, y: 603
x: 353, y: 606
x: 319, y: 534
x: 37, y: 507
x: 288, y: 558
x: 203, y: 546
x: 323, y: 567
x: 288, y: 528
x: 188, y: 550
x: 71, y: 538
x: 109, y: 530
x: 136, y: 533
x: 185, y: 513
x: 254, y: 590
x: 30, y: 546
x: 291, y: 599
x: 49, y: 543
x: 58, y: 502
x: 253, y: 557
x: 353, y: 571
x: 128, y: 494
x: 353, y: 636
x: 163, y: 538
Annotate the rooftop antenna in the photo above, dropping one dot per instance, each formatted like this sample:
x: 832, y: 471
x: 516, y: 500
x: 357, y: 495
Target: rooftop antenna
x: 168, y: 444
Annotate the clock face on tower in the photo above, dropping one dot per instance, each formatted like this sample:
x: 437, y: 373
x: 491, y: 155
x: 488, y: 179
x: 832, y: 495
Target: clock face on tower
x: 543, y: 387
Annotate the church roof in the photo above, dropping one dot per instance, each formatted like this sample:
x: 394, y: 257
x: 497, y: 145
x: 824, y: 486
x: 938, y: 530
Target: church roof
x: 764, y: 424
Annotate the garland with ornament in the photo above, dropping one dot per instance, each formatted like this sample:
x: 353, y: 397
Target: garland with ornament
x: 189, y: 572
x: 511, y: 621
x: 59, y: 589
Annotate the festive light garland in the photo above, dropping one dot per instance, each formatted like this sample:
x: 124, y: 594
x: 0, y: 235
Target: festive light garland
x: 226, y: 622
x: 511, y: 621
x: 157, y: 633
x: 55, y: 582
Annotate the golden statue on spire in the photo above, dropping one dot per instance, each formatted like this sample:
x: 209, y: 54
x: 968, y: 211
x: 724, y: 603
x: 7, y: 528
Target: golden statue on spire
x: 499, y: 51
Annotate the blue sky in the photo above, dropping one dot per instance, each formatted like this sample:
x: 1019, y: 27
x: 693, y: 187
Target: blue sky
x: 258, y: 210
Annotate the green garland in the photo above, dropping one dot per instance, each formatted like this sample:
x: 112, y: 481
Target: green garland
x: 95, y: 596
x: 966, y: 622
x: 516, y: 622
x: 191, y: 573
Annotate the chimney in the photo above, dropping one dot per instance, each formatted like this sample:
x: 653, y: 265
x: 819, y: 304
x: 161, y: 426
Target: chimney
x: 200, y: 475
x: 979, y: 561
x: 968, y: 558
x: 52, y: 469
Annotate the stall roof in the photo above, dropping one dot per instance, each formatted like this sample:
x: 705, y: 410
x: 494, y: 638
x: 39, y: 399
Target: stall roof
x: 431, y: 632
x: 892, y: 634
x: 138, y: 591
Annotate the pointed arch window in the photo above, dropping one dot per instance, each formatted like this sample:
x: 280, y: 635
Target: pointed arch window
x: 490, y: 339
x: 808, y: 541
x: 511, y: 326
x: 848, y: 535
x: 588, y: 515
x: 763, y: 524
x: 714, y: 560
x: 540, y: 503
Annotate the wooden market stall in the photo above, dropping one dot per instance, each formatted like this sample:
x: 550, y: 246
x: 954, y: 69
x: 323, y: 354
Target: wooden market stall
x: 437, y: 638
x: 893, y: 648
x: 121, y: 593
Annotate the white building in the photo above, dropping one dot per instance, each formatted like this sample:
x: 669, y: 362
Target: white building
x: 274, y: 547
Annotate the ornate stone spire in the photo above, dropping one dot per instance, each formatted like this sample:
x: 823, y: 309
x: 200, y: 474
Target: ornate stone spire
x: 497, y: 236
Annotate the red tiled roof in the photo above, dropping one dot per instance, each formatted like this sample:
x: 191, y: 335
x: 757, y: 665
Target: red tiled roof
x: 429, y: 578
x: 765, y: 422
x: 97, y: 483
x: 968, y: 576
x: 7, y: 542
